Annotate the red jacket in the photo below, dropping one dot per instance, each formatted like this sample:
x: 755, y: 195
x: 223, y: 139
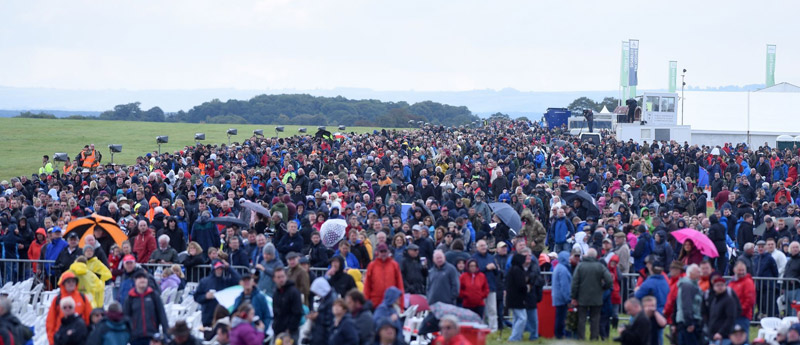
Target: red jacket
x: 474, y: 289
x: 672, y: 297
x: 382, y: 274
x: 745, y: 289
x: 144, y: 246
x: 35, y: 250
x: 616, y: 299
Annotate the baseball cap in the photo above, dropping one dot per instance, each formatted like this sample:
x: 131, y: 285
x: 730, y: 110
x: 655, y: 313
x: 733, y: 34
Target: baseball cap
x: 444, y: 208
x: 128, y: 258
x: 292, y: 255
x: 738, y: 328
x: 304, y: 260
x: 761, y: 242
x: 383, y: 248
x: 55, y: 229
x: 72, y: 235
x: 795, y: 327
x: 139, y: 274
x: 217, y: 264
x: 502, y: 244
x: 412, y: 247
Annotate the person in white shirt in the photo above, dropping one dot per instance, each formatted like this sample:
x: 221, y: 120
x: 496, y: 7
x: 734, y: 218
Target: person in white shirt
x: 779, y: 256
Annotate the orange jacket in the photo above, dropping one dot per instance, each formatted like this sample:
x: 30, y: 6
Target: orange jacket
x: 382, y: 274
x: 151, y: 212
x: 745, y: 289
x: 82, y: 307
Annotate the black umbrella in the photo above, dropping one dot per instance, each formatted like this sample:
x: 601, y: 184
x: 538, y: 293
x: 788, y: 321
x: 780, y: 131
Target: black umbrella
x: 230, y: 221
x: 254, y: 206
x: 587, y: 201
x: 508, y: 215
x: 323, y: 134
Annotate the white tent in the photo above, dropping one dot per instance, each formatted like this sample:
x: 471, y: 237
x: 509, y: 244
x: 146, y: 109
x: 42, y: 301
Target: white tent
x: 604, y: 111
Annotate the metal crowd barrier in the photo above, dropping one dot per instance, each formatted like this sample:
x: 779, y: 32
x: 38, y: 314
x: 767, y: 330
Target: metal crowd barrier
x: 42, y: 271
x: 192, y: 275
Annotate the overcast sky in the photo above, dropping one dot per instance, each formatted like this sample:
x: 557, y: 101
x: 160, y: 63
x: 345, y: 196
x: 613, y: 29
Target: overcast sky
x: 389, y: 45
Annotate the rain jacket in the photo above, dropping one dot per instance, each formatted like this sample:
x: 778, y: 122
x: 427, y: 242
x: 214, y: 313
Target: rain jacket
x: 655, y: 285
x: 516, y: 283
x: 473, y: 289
x: 357, y: 278
x: 212, y: 282
x: 260, y: 305
x: 562, y: 280
x: 562, y: 229
x: 745, y: 290
x: 386, y: 309
x: 109, y: 332
x: 344, y: 333
x: 35, y: 250
x: 443, y: 284
x: 51, y: 252
x: 95, y: 265
x: 382, y: 274
x: 590, y: 279
x: 243, y: 332
x: 89, y: 284
x: 145, y: 312
x: 341, y: 281
x: 82, y: 306
x: 689, y: 301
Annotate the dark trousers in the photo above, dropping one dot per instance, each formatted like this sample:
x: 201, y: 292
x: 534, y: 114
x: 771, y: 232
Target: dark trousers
x: 688, y: 338
x: 478, y: 310
x: 140, y: 341
x: 561, y: 320
x: 594, y: 321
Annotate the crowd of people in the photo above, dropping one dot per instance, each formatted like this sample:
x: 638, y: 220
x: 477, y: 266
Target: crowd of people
x: 419, y: 221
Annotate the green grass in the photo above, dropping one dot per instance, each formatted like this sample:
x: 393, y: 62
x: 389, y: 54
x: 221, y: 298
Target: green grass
x: 24, y: 141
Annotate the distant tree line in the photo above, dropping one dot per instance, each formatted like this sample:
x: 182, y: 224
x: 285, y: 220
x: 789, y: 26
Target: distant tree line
x: 31, y: 115
x: 582, y: 103
x: 301, y: 109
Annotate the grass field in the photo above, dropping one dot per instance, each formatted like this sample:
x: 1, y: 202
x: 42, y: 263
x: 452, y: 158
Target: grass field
x: 24, y: 141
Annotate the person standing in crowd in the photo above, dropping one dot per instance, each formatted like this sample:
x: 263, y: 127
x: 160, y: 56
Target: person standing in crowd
x: 589, y: 279
x: 221, y: 278
x: 73, y: 329
x: 361, y: 312
x: 245, y: 330
x: 516, y: 293
x: 764, y: 266
x: 721, y: 308
x: 68, y: 284
x: 382, y: 273
x: 489, y: 269
x: 145, y: 310
x: 255, y: 298
x: 473, y: 288
x: 344, y: 330
x: 287, y: 305
x: 113, y: 330
x: 562, y: 287
x: 443, y: 280
x: 299, y: 276
x: 690, y: 300
x: 745, y: 290
x: 413, y: 271
x: 267, y: 267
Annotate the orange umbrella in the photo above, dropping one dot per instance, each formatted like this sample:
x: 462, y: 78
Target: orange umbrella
x: 86, y: 226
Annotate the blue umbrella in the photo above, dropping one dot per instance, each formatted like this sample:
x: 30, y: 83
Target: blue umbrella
x: 508, y: 215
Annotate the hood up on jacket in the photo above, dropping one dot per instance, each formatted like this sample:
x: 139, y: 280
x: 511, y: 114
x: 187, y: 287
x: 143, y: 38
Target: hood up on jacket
x: 563, y: 258
x: 391, y: 296
x: 518, y: 260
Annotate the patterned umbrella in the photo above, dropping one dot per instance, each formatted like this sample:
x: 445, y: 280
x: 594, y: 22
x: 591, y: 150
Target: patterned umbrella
x: 332, y: 231
x: 85, y: 226
x: 440, y: 309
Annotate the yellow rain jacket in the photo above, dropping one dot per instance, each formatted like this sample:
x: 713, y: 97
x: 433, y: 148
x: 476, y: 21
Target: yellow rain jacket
x: 89, y: 284
x: 95, y: 265
x: 356, y: 274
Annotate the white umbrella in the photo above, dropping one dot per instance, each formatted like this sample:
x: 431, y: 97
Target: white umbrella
x: 715, y: 151
x: 332, y: 231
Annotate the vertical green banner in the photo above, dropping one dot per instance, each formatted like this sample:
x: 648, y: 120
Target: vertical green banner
x: 633, y: 91
x: 673, y: 75
x: 771, y: 48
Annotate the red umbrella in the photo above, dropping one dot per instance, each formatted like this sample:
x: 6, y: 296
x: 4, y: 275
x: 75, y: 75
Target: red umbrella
x: 419, y: 300
x: 700, y: 240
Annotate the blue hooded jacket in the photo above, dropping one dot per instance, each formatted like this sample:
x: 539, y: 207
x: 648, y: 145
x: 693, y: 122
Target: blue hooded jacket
x: 484, y: 260
x: 562, y: 280
x: 386, y: 309
x: 52, y: 250
x: 655, y: 285
x: 562, y: 229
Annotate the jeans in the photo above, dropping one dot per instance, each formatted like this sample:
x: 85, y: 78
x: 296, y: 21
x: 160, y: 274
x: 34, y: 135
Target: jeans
x: 594, y: 321
x: 491, y: 311
x: 560, y: 247
x: 609, y: 321
x: 791, y: 296
x: 533, y: 323
x: 520, y: 321
x: 561, y: 321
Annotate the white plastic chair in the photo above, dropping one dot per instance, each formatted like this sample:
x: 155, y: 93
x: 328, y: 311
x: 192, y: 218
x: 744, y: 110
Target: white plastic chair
x: 769, y: 328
